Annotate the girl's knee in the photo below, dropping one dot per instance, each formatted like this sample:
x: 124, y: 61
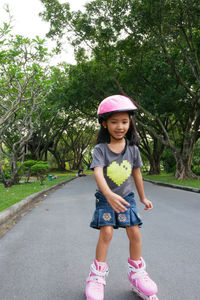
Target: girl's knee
x: 106, y: 233
x: 133, y: 233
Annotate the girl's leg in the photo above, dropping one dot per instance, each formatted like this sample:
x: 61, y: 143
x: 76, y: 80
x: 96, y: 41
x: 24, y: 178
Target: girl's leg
x: 105, y: 237
x: 135, y: 243
x: 138, y: 277
x: 99, y: 269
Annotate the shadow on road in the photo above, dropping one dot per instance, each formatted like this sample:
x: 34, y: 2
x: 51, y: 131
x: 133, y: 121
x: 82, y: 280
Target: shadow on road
x: 127, y: 295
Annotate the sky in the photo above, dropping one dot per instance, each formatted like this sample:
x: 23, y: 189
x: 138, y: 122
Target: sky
x: 26, y: 21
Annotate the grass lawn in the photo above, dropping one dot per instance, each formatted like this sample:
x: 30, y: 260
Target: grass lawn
x: 169, y: 178
x: 16, y: 193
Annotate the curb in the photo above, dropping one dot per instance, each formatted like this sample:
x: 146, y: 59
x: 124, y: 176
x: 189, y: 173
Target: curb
x: 10, y: 214
x: 175, y: 186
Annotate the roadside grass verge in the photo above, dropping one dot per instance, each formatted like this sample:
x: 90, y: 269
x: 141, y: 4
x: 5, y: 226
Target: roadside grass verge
x: 169, y: 178
x: 16, y: 193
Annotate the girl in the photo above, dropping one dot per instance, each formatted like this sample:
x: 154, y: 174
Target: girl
x: 116, y: 157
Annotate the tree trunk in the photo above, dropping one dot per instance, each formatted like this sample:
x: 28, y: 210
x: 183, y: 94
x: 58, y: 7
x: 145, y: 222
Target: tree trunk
x: 154, y: 165
x: 153, y: 150
x: 183, y: 167
x: 155, y: 157
x: 11, y: 181
x: 60, y: 162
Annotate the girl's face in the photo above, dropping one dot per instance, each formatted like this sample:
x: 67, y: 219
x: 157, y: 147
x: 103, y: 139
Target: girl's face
x: 117, y: 125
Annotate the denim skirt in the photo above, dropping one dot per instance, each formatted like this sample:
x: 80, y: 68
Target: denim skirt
x: 104, y: 214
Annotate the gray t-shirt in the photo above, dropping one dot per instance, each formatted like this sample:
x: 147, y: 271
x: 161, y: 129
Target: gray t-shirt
x: 117, y: 168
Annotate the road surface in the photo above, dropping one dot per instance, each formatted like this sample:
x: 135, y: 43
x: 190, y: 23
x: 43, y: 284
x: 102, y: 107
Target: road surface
x: 46, y: 255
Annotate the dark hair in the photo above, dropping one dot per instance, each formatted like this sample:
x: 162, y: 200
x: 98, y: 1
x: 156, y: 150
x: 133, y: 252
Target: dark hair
x: 131, y: 135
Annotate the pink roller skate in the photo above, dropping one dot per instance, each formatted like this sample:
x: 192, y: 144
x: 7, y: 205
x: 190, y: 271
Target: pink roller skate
x: 141, y: 283
x: 96, y: 281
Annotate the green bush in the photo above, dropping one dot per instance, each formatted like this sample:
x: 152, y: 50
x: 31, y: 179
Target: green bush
x: 168, y: 161
x: 27, y: 167
x: 29, y: 163
x: 196, y: 159
x: 196, y: 170
x: 6, y: 172
x: 40, y: 169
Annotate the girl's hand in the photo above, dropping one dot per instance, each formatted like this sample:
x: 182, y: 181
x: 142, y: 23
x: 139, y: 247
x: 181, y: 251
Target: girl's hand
x: 148, y: 204
x: 117, y: 202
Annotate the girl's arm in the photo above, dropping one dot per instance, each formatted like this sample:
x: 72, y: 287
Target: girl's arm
x: 140, y: 189
x: 115, y: 201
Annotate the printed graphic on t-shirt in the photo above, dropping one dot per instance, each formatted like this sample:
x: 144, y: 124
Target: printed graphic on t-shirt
x: 119, y: 173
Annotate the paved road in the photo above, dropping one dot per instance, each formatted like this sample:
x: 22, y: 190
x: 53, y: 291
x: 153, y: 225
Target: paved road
x: 46, y: 255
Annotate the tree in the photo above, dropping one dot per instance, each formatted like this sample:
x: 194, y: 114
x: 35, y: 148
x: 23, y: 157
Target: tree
x: 178, y: 45
x: 24, y: 85
x: 78, y: 139
x: 63, y: 128
x: 155, y: 43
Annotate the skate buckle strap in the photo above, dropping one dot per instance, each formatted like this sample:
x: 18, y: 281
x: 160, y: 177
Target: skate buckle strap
x: 136, y: 273
x: 98, y: 273
x: 139, y: 274
x: 97, y: 279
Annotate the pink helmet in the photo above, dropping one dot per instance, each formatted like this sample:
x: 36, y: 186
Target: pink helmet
x: 116, y: 103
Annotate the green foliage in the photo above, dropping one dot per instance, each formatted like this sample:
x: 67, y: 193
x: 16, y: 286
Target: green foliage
x: 40, y: 169
x: 196, y: 159
x: 67, y: 166
x: 196, y: 169
x: 29, y: 163
x: 7, y: 173
x: 61, y: 15
x: 27, y: 168
x: 168, y: 161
